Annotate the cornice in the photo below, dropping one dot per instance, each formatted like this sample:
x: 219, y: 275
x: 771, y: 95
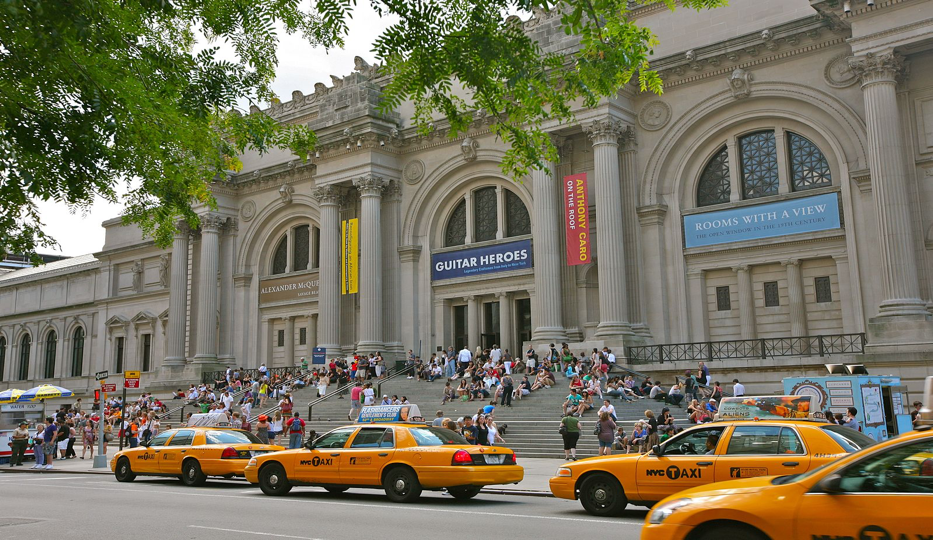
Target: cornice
x: 51, y: 274
x: 265, y: 178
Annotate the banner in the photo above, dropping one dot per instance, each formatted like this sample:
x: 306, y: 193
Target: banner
x: 765, y: 407
x: 794, y: 216
x: 383, y: 414
x: 350, y: 257
x: 287, y: 288
x: 319, y: 356
x: 576, y: 220
x: 481, y: 260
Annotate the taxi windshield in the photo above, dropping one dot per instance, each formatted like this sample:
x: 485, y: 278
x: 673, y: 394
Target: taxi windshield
x: 849, y: 439
x: 231, y: 437
x: 432, y: 436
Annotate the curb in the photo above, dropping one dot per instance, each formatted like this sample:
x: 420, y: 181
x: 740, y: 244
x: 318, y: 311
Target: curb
x: 53, y: 471
x: 517, y: 492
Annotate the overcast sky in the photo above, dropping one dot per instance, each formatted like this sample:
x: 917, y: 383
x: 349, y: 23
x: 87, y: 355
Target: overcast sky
x: 300, y: 66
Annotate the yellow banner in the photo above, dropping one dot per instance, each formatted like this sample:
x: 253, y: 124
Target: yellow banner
x: 349, y: 257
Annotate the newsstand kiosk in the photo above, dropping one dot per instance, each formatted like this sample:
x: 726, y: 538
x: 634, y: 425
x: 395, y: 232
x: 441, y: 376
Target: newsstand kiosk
x: 11, y: 414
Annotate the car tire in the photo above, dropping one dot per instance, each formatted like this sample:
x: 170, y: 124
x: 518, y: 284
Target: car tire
x: 124, y: 472
x: 464, y: 492
x: 273, y: 481
x: 602, y: 495
x: 191, y: 474
x: 401, y: 485
x: 336, y: 489
x: 732, y: 532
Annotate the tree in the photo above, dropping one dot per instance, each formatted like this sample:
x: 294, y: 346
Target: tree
x: 98, y: 92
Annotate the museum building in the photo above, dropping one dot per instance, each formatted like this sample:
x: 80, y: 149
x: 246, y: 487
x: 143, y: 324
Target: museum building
x: 779, y: 189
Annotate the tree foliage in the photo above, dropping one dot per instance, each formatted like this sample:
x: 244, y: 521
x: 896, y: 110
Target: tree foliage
x: 98, y: 92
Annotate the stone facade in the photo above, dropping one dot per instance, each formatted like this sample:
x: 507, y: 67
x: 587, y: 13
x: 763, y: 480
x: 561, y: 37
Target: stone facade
x: 765, y: 103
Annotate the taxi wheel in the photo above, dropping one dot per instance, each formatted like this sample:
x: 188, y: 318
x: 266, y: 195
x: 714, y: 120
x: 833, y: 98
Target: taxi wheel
x: 402, y: 485
x: 124, y: 472
x: 191, y: 474
x: 272, y: 480
x: 601, y: 495
x: 732, y: 532
x: 464, y: 493
x: 338, y: 489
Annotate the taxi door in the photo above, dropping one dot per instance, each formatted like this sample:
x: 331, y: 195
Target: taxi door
x: 886, y: 495
x: 686, y: 462
x: 147, y: 458
x: 322, y: 464
x: 761, y: 450
x: 174, y: 452
x: 369, y: 451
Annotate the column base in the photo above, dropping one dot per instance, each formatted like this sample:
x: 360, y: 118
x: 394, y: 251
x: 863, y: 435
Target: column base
x: 174, y: 361
x: 610, y: 329
x: 901, y: 330
x: 551, y: 334
x: 370, y: 347
x: 205, y: 359
x: 228, y: 359
x: 897, y: 307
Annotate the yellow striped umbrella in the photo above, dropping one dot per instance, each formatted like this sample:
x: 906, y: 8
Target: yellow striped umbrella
x: 10, y: 396
x: 45, y: 391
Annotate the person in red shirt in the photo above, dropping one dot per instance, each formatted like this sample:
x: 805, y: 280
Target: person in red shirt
x: 355, y: 403
x: 296, y: 431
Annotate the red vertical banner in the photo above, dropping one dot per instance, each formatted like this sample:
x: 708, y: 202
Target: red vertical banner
x: 577, y: 220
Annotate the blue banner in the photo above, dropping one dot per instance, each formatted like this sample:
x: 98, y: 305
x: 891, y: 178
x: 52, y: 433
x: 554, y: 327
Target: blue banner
x: 319, y: 355
x: 782, y: 218
x: 481, y: 260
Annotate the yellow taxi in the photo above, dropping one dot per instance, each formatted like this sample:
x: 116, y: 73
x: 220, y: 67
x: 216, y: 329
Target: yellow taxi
x: 707, y: 453
x: 401, y: 458
x: 884, y: 492
x: 191, y: 454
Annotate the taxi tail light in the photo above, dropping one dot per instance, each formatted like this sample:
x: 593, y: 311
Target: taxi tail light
x: 229, y: 453
x: 514, y: 458
x: 462, y: 457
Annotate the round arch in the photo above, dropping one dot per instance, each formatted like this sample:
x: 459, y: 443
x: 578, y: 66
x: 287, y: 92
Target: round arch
x: 268, y: 225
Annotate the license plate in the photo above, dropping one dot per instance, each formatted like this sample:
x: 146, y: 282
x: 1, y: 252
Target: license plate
x: 495, y: 460
x: 254, y: 453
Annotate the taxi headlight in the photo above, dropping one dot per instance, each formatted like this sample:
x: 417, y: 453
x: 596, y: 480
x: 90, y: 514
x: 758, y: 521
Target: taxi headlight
x: 252, y: 462
x: 659, y: 514
x: 565, y: 472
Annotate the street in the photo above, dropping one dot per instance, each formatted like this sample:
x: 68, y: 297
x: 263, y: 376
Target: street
x: 72, y: 505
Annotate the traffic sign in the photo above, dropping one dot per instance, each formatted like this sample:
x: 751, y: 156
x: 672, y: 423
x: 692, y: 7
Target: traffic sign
x: 131, y: 374
x: 108, y: 387
x: 131, y: 383
x: 101, y: 375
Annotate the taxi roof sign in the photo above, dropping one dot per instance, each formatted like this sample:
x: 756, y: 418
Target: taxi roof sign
x: 768, y: 408
x: 387, y: 414
x: 209, y: 420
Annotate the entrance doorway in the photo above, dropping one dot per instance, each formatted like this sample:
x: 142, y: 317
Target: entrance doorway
x: 523, y: 319
x: 490, y: 324
x: 460, y: 327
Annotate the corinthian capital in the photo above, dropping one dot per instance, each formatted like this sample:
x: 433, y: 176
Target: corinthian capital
x: 370, y: 185
x: 606, y: 130
x: 328, y: 195
x: 212, y: 222
x: 874, y: 68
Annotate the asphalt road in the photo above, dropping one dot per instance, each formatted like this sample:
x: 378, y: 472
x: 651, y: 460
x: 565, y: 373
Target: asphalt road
x: 69, y: 507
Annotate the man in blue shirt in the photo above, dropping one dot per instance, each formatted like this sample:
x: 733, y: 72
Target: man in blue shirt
x: 48, y: 442
x: 851, y: 421
x: 712, y: 407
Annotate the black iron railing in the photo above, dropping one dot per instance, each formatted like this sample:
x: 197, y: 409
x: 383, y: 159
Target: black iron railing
x: 748, y: 348
x: 211, y: 377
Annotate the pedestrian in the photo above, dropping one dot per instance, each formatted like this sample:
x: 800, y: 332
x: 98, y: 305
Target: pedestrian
x: 369, y: 395
x: 277, y: 427
x: 738, y: 389
x: 18, y: 441
x: 355, y: 393
x: 605, y: 432
x: 61, y: 439
x: 262, y: 429
x: 482, y: 430
x: 690, y: 385
x: 48, y: 442
x: 851, y: 421
x: 652, y: 429
x: 717, y: 391
x: 570, y: 432
x: 132, y: 434
x: 296, y: 430
x: 508, y: 388
x: 493, y: 432
x: 37, y: 442
x: 90, y: 436
x: 703, y: 374
x: 915, y: 417
x: 72, y: 435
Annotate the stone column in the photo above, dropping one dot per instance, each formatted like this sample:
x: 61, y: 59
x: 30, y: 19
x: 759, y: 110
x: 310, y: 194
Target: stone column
x: 244, y: 322
x: 630, y: 225
x: 473, y: 333
x: 506, y: 323
x: 228, y: 254
x: 610, y: 234
x: 897, y: 258
x: 546, y: 190
x: 266, y: 339
x: 410, y: 298
x: 795, y: 299
x: 312, y: 334
x: 370, y: 187
x: 697, y: 301
x: 852, y: 320
x: 392, y: 268
x: 329, y: 198
x: 289, y: 341
x: 178, y: 298
x: 208, y: 297
x: 746, y: 301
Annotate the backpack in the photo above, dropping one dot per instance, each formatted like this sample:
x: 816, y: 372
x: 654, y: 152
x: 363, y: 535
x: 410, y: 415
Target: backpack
x: 296, y: 422
x: 689, y: 382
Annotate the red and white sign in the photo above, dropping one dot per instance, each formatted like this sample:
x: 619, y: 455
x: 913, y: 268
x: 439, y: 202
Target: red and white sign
x: 108, y: 387
x: 131, y: 383
x: 577, y: 220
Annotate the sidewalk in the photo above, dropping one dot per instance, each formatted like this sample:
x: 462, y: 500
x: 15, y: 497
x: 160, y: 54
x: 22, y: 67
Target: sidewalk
x: 537, y: 472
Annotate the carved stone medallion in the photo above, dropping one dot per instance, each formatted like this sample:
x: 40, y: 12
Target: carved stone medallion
x: 654, y: 115
x: 413, y: 171
x: 248, y: 210
x: 838, y: 74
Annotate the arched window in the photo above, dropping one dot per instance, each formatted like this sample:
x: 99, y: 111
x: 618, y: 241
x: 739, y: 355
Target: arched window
x: 280, y: 258
x: 455, y: 234
x: 51, y: 347
x: 2, y: 355
x: 301, y: 240
x: 808, y: 166
x: 24, y: 345
x: 715, y: 186
x: 485, y: 214
x: 77, y: 352
x: 518, y: 221
x: 759, y: 164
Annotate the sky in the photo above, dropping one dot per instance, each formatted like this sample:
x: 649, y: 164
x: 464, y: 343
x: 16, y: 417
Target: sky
x: 300, y: 66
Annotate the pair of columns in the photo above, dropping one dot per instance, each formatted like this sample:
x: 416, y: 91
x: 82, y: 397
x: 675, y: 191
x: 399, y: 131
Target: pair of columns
x: 505, y: 319
x: 289, y: 341
x: 611, y: 241
x: 795, y: 300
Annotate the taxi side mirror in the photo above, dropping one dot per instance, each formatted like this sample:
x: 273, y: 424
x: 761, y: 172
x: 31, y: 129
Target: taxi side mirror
x: 831, y: 484
x: 309, y: 445
x: 657, y: 450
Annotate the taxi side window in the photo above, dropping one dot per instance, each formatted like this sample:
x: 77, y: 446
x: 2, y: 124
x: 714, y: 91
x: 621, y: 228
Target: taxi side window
x: 693, y: 442
x: 368, y: 438
x: 159, y: 440
x: 335, y: 439
x: 183, y: 437
x: 903, y: 469
x: 754, y: 440
x: 388, y: 441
